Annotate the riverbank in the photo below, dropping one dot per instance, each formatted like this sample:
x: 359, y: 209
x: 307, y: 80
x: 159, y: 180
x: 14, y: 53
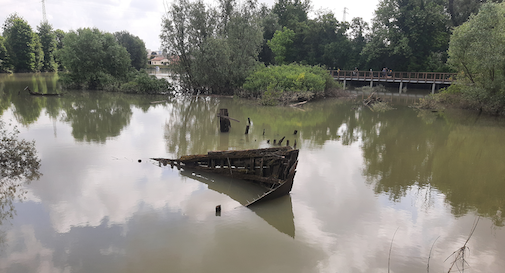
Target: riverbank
x: 444, y: 99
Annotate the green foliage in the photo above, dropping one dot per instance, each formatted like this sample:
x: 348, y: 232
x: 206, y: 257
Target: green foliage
x: 319, y: 41
x: 325, y: 42
x: 60, y: 34
x: 381, y: 107
x: 144, y: 83
x: 135, y: 47
x: 476, y: 50
x: 460, y: 10
x: 270, y: 25
x: 38, y: 51
x: 280, y: 44
x: 272, y: 81
x: 408, y: 35
x: 20, y: 44
x: 5, y: 66
x: 291, y: 12
x: 452, y: 89
x: 216, y: 47
x: 94, y: 59
x: 48, y: 43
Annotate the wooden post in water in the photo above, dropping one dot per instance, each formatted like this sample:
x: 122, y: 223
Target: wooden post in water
x: 224, y: 123
x: 282, y: 139
x: 247, y: 129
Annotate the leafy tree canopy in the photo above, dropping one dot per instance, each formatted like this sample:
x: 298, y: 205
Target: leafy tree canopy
x: 280, y: 44
x: 409, y: 35
x: 20, y: 44
x: 94, y: 58
x: 291, y: 12
x: 48, y: 43
x: 477, y: 50
x: 215, y: 48
x: 135, y: 47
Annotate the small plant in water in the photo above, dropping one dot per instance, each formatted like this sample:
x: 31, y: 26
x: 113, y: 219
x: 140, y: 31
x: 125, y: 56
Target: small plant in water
x: 459, y: 255
x: 381, y: 107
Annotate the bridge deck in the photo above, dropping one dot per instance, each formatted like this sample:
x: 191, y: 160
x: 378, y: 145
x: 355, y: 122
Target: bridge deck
x: 394, y: 77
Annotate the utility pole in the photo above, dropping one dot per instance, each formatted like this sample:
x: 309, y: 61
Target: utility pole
x: 345, y: 12
x: 44, y: 18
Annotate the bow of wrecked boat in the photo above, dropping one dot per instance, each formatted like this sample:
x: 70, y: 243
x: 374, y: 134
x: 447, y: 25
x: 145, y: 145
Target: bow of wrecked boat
x: 272, y: 168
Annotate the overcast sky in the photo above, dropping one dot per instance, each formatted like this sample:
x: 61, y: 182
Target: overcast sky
x: 141, y: 18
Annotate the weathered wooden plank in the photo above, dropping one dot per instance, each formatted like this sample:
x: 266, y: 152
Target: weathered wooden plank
x: 249, y: 153
x: 261, y: 166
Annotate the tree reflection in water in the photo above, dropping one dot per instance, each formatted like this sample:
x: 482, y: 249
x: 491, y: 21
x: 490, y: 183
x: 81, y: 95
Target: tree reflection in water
x: 18, y: 164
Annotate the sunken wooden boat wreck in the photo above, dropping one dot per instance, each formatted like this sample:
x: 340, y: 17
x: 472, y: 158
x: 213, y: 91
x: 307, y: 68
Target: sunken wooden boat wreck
x: 273, y: 168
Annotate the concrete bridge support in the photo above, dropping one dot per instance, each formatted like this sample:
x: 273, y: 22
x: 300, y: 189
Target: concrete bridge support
x: 433, y: 88
x: 400, y: 89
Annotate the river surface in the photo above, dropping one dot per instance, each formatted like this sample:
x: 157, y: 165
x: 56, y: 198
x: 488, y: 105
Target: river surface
x: 398, y: 191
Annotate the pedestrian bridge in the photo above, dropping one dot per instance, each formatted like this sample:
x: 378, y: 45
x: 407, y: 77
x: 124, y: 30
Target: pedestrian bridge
x: 401, y: 78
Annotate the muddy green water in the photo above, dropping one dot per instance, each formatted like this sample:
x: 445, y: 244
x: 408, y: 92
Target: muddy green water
x: 374, y: 192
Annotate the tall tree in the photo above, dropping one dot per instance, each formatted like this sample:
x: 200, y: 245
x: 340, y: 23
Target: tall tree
x: 476, y: 49
x: 409, y: 35
x: 325, y: 41
x: 215, y: 48
x: 291, y: 12
x: 359, y: 30
x: 135, y: 47
x: 48, y: 41
x: 270, y: 23
x: 94, y: 58
x: 20, y: 44
x: 281, y: 45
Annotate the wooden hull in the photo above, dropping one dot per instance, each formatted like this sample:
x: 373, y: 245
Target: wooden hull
x: 272, y: 168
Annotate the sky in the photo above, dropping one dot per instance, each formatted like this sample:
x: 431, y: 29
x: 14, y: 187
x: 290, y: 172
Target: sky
x: 141, y: 18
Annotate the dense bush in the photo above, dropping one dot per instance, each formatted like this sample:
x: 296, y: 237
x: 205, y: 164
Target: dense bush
x: 144, y: 83
x: 272, y: 82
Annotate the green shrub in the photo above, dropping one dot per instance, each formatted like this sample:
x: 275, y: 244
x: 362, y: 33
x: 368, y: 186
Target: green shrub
x: 141, y: 83
x: 293, y: 78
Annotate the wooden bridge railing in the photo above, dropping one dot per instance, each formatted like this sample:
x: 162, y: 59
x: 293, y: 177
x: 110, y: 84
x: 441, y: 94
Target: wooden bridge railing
x: 430, y: 77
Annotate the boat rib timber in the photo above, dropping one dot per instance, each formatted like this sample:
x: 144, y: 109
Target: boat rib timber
x: 273, y: 168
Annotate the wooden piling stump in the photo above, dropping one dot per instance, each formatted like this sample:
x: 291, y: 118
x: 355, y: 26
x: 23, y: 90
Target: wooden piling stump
x: 224, y: 123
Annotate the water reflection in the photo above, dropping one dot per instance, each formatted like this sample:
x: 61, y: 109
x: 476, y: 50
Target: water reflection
x: 95, y: 117
x: 278, y: 213
x: 361, y: 175
x: 19, y: 165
